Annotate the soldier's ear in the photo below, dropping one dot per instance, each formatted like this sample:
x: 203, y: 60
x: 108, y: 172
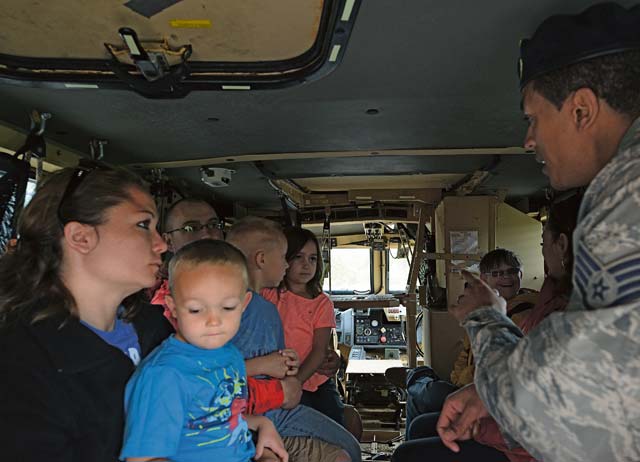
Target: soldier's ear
x: 585, y: 108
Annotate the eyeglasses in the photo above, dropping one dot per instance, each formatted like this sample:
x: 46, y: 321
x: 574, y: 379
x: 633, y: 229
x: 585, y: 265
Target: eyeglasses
x: 78, y: 175
x: 501, y: 273
x: 195, y: 227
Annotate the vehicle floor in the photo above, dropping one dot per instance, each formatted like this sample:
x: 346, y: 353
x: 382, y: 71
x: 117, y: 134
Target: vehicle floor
x: 382, y: 432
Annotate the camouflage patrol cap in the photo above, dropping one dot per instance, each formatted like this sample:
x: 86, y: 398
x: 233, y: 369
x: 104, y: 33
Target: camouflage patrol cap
x: 561, y: 40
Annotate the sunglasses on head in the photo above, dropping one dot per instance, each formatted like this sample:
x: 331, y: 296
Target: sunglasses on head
x: 78, y: 175
x: 195, y: 227
x: 501, y: 273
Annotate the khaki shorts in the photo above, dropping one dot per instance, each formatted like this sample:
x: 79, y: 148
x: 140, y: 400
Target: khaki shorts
x: 303, y: 449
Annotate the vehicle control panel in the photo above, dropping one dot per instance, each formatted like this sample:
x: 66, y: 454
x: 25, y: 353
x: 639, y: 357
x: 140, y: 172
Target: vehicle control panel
x: 373, y: 327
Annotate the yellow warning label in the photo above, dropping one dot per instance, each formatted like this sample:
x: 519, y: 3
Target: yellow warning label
x: 190, y: 23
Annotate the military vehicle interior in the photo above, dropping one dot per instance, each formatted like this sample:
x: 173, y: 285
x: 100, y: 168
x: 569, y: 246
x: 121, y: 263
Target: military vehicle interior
x: 389, y: 128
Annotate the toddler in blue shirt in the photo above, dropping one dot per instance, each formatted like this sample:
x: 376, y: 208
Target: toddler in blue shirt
x: 186, y: 400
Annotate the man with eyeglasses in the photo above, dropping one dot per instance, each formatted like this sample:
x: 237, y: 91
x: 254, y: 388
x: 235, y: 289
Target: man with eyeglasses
x: 190, y: 220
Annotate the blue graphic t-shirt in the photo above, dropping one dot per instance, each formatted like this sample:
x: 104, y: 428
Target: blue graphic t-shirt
x: 185, y: 403
x: 123, y: 336
x: 260, y: 331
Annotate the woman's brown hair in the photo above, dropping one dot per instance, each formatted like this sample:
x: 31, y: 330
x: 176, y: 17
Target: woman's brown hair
x: 31, y: 288
x: 563, y: 219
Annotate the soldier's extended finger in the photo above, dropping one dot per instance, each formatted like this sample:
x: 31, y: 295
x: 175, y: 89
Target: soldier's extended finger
x: 448, y: 438
x: 445, y: 428
x: 471, y: 278
x: 448, y: 435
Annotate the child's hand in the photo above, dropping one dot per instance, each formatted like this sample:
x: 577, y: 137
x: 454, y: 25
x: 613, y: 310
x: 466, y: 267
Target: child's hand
x: 274, y: 365
x: 330, y: 365
x: 268, y: 437
x: 292, y: 360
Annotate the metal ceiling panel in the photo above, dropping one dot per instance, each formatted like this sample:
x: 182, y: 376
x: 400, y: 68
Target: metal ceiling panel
x: 416, y: 75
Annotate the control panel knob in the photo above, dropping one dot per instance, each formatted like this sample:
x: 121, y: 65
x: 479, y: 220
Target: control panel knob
x: 374, y: 323
x: 367, y: 331
x: 383, y: 339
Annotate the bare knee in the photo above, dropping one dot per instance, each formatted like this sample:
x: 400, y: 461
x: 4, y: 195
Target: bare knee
x: 268, y: 456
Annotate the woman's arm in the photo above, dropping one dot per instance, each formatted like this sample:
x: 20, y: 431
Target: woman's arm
x: 317, y: 355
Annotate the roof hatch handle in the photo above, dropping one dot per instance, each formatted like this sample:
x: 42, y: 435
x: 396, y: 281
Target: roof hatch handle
x: 96, y: 148
x: 153, y: 66
x: 35, y: 144
x: 160, y: 79
x: 38, y: 122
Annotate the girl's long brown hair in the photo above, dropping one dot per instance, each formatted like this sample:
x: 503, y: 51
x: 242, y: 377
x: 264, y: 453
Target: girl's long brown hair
x: 297, y: 238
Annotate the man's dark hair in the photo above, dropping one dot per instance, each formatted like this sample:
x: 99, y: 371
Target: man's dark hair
x: 614, y: 78
x: 185, y: 200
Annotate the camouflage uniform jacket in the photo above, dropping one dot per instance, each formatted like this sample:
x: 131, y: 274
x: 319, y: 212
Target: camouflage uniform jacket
x: 570, y: 389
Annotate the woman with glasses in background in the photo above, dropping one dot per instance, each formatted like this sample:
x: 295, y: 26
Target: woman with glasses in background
x: 71, y: 331
x: 557, y: 250
x: 501, y: 269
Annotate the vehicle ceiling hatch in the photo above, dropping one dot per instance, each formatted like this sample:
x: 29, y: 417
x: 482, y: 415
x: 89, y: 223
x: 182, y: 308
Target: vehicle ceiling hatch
x: 167, y: 48
x: 425, y: 96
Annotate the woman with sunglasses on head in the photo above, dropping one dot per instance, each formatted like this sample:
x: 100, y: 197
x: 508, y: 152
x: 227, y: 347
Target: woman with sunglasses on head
x: 501, y: 269
x: 70, y: 332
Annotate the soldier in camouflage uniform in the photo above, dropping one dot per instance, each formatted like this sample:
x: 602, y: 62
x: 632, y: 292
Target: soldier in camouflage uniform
x: 570, y: 390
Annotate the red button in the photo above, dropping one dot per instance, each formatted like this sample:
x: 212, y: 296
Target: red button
x: 383, y: 339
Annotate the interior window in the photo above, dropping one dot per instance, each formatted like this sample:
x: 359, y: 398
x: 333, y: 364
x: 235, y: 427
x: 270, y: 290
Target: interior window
x: 350, y: 271
x: 397, y: 271
x: 31, y: 190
